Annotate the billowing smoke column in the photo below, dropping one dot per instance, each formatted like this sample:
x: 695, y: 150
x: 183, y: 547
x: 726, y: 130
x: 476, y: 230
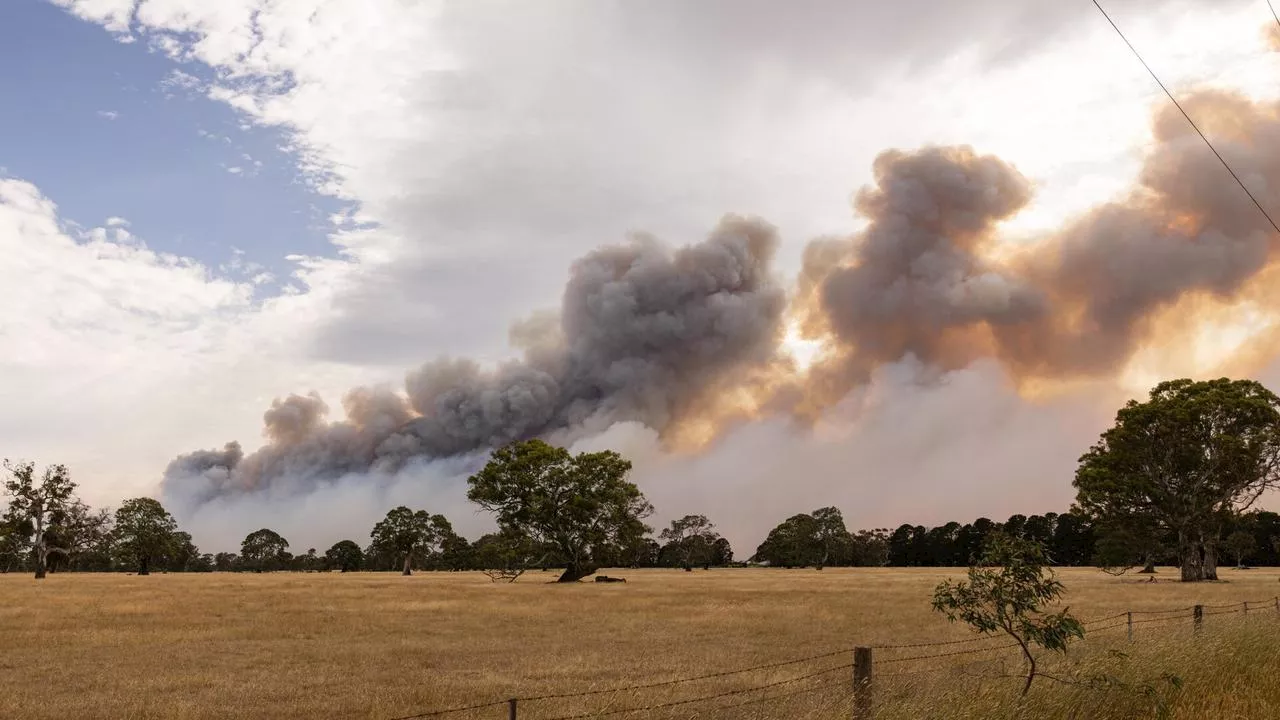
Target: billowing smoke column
x: 644, y: 334
x: 920, y: 279
x: 662, y: 337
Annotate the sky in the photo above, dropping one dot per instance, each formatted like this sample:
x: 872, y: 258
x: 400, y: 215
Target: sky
x: 206, y: 206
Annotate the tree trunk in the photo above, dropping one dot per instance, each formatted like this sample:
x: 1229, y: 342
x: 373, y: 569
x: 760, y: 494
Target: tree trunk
x: 42, y: 559
x: 1148, y: 566
x: 143, y: 568
x: 42, y: 552
x: 1190, y: 559
x: 574, y: 573
x: 1031, y: 674
x: 408, y: 562
x: 1210, y: 563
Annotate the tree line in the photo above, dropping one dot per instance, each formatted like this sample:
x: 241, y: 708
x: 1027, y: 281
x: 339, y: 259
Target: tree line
x: 596, y: 522
x: 1174, y: 480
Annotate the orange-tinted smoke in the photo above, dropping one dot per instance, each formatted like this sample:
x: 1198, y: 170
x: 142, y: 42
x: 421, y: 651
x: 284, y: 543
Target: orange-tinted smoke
x: 1078, y: 303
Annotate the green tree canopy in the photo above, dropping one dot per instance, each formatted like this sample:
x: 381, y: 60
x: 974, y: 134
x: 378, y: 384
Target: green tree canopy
x: 789, y: 544
x: 691, y: 540
x: 263, y: 550
x: 410, y: 535
x: 1006, y: 592
x: 36, y: 504
x: 830, y: 536
x: 571, y: 502
x: 345, y: 555
x: 818, y: 539
x: 144, y: 532
x: 1185, y: 461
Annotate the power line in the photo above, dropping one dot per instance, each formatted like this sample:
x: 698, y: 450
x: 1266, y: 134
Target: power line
x: 1273, y: 12
x: 1188, y: 117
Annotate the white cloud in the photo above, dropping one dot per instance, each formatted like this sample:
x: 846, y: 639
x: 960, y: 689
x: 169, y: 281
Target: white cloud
x: 114, y: 15
x: 178, y: 80
x: 108, y: 114
x: 116, y: 356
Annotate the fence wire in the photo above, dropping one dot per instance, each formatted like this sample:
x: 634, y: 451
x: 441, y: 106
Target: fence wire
x: 1161, y: 616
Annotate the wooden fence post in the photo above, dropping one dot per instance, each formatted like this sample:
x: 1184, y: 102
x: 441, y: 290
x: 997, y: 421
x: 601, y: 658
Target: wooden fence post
x: 1129, y: 615
x: 511, y: 709
x: 862, y: 668
x: 1197, y: 615
x: 1278, y: 604
x: 1246, y: 607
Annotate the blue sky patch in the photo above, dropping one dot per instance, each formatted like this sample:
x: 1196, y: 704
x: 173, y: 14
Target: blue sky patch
x: 109, y: 129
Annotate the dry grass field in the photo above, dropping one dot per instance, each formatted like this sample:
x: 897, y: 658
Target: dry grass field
x: 384, y: 646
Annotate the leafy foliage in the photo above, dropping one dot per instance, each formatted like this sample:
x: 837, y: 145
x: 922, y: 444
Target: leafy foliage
x: 691, y: 540
x: 1184, y: 462
x: 506, y: 555
x: 145, y: 531
x: 1241, y: 543
x: 264, y: 550
x: 572, y: 502
x: 409, y: 536
x: 35, y: 505
x: 1006, y: 592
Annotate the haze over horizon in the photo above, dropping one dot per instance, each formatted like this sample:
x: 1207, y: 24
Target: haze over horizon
x: 907, y: 260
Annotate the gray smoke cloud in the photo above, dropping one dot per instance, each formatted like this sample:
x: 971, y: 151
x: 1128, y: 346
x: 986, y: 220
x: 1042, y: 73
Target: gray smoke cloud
x: 659, y: 337
x: 921, y: 281
x: 645, y: 333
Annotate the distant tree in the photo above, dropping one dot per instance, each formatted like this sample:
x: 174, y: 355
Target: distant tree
x: 830, y: 536
x: 505, y: 555
x: 633, y: 550
x: 721, y: 552
x: 1039, y: 528
x: 691, y: 539
x: 307, y: 562
x: 263, y: 550
x: 572, y: 502
x: 410, y: 535
x: 1188, y: 458
x: 345, y: 555
x: 1073, y: 539
x: 1241, y: 544
x: 792, y: 544
x: 36, y: 504
x: 455, y: 552
x: 144, y: 531
x: 869, y: 548
x: 1006, y: 592
x: 941, y: 546
x: 1264, y: 527
x: 1123, y: 544
x: 85, y: 534
x: 1015, y: 525
x: 15, y: 544
x: 226, y: 562
x: 182, y: 553
x: 203, y: 562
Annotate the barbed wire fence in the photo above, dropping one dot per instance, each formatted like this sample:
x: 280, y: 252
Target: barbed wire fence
x: 862, y: 664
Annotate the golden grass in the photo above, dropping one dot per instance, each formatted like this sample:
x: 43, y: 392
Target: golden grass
x: 380, y: 646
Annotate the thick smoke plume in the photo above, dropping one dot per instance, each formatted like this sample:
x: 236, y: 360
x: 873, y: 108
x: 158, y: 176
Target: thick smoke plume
x: 684, y: 341
x: 923, y: 279
x: 644, y: 334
